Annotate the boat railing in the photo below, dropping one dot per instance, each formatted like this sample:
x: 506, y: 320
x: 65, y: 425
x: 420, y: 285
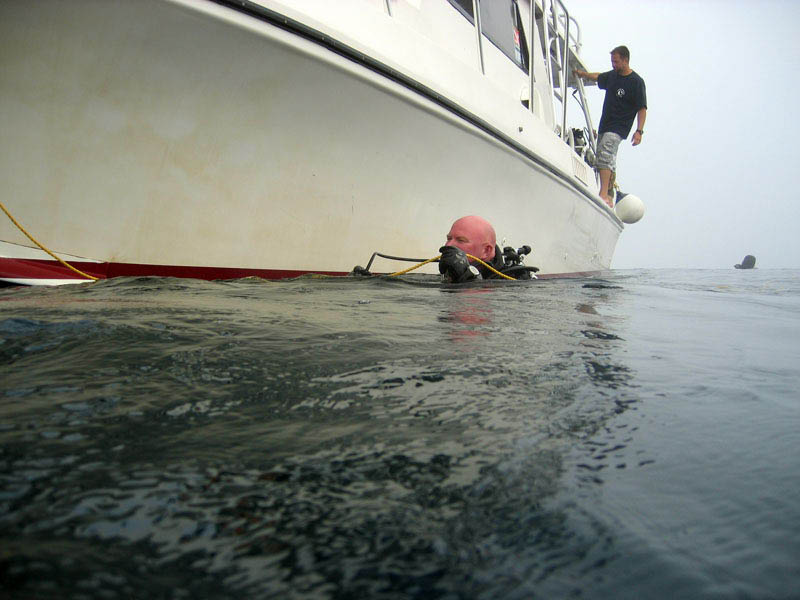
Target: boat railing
x: 564, y: 45
x: 476, y: 11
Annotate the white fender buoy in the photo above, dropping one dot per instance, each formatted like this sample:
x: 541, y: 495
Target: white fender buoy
x: 629, y: 208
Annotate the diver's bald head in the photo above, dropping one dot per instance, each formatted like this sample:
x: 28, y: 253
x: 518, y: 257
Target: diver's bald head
x: 474, y: 235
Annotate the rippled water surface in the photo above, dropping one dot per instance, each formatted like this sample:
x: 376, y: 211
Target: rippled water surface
x: 631, y: 436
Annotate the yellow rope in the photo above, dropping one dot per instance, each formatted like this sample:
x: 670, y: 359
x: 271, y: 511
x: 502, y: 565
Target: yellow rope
x: 422, y: 264
x: 417, y: 266
x: 490, y: 267
x: 31, y: 238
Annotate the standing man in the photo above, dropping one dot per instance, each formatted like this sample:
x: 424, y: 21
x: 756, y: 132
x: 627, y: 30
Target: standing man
x: 626, y: 98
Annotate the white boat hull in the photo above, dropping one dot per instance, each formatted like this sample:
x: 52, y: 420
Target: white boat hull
x: 189, y: 136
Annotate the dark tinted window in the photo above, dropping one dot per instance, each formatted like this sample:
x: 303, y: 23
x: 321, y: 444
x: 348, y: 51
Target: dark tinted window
x: 501, y: 23
x: 464, y: 7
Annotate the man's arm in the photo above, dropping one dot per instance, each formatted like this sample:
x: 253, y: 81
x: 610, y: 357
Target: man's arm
x: 640, y: 119
x: 586, y: 75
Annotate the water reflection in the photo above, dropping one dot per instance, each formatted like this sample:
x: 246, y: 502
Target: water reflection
x: 470, y: 313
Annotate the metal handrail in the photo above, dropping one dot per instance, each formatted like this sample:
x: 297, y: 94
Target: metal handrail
x: 564, y: 41
x: 578, y: 43
x: 531, y: 76
x: 564, y: 70
x: 476, y: 11
x: 587, y: 116
x: 547, y: 42
x: 561, y: 51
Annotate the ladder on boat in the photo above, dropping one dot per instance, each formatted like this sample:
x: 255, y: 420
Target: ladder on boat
x: 563, y: 48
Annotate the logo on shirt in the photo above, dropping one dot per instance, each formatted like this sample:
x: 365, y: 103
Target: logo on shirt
x: 620, y: 93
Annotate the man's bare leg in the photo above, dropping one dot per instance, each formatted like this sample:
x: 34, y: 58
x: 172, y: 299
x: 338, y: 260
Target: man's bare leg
x: 605, y: 180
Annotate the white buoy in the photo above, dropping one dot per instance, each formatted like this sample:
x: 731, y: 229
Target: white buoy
x: 629, y: 208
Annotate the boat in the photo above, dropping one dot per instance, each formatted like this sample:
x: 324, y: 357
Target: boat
x: 219, y: 139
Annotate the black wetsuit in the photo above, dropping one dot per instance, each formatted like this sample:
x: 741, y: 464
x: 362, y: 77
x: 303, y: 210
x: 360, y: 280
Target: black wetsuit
x: 454, y: 266
x: 497, y: 263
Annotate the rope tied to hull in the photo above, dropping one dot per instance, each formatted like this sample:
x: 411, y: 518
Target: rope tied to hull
x: 31, y: 238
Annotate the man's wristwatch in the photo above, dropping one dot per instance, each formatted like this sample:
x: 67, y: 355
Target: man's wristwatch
x: 640, y: 131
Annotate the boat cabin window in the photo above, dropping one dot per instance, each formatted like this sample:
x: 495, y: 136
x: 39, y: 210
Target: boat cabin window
x: 501, y: 22
x: 464, y: 7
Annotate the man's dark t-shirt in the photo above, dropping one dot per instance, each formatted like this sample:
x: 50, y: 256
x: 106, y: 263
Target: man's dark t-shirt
x: 625, y: 95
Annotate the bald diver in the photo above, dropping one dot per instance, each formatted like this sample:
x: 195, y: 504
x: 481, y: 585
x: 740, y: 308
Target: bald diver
x: 475, y: 236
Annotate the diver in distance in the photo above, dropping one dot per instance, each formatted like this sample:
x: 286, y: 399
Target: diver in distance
x: 748, y: 262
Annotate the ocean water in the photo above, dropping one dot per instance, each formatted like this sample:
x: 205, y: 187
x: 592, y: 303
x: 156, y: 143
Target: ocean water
x: 635, y: 435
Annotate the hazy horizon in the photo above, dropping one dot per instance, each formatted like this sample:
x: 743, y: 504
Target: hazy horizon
x: 714, y: 168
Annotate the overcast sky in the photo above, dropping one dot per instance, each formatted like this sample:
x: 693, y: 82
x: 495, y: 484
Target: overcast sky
x: 717, y: 167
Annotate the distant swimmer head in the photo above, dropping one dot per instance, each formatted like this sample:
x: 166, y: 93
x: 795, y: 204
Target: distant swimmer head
x: 629, y: 208
x: 748, y: 262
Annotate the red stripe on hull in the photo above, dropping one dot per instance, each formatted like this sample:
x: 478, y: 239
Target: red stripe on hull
x: 17, y: 268
x: 24, y: 268
x: 30, y: 269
